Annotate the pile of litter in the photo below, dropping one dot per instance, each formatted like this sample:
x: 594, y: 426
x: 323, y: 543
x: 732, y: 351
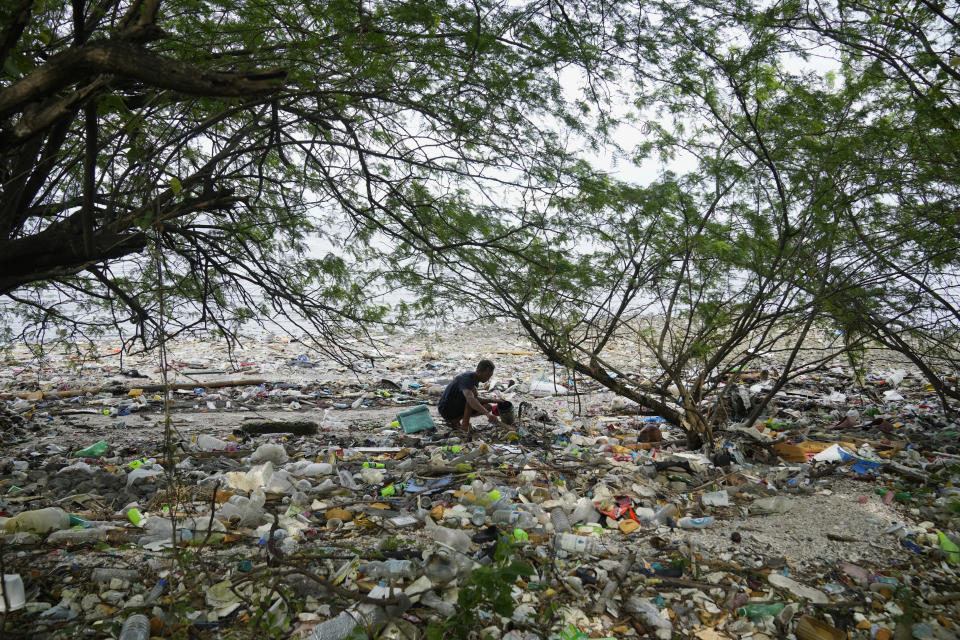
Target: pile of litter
x: 301, y: 497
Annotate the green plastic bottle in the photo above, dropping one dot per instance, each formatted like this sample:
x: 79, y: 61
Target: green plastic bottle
x: 95, y: 450
x: 757, y: 611
x: 392, y: 489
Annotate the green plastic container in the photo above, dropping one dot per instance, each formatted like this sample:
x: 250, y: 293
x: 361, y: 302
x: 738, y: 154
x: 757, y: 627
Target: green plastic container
x: 416, y: 419
x: 756, y: 611
x: 95, y: 450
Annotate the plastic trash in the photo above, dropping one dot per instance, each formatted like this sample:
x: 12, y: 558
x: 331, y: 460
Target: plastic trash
x: 78, y: 536
x: 559, y: 519
x: 372, y: 476
x: 39, y: 521
x: 58, y: 613
x: 106, y: 574
x: 775, y: 504
x: 252, y: 480
x: 274, y: 453
x: 416, y: 419
x: 453, y: 538
x: 585, y: 511
x: 543, y: 388
x: 895, y: 377
x: 95, y: 450
x: 716, y: 499
x: 390, y: 569
x: 366, y: 616
x: 136, y: 627
x: 757, y: 611
x: 246, y: 511
x: 665, y: 514
x: 440, y: 568
x: 696, y: 523
x: 156, y: 592
x: 142, y: 472
x: 347, y: 480
x: 949, y: 548
x: 505, y: 516
x: 650, y: 614
x: 209, y: 443
x: 16, y: 595
x: 582, y: 545
x: 443, y: 565
x: 833, y: 453
x: 797, y: 589
x: 444, y: 608
x: 478, y: 516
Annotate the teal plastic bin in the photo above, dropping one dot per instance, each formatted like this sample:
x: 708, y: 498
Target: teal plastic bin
x: 416, y: 419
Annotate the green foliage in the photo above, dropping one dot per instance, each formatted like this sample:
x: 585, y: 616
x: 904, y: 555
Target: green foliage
x: 488, y: 589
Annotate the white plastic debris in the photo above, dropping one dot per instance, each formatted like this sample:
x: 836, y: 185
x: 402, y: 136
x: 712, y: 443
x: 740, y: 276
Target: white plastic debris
x: 252, y: 480
x: 274, y: 453
x: 801, y: 591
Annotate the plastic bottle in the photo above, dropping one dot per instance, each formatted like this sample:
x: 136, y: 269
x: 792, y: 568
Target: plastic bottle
x: 390, y: 569
x: 316, y: 469
x: 482, y: 450
x: 696, y: 523
x: 756, y: 611
x: 156, y: 591
x: 487, y: 498
x: 559, y: 519
x: 650, y: 615
x: 136, y: 627
x: 441, y: 568
x: 39, y: 521
x: 665, y: 514
x: 392, y: 489
x: 505, y: 516
x: 430, y: 599
x: 526, y: 520
x: 582, y: 544
x: 209, y: 443
x: 78, y: 536
x: 106, y: 574
x: 539, y: 495
x: 644, y: 515
x: 479, y: 516
x: 453, y: 538
x: 95, y: 450
x: 364, y: 616
x: 347, y: 480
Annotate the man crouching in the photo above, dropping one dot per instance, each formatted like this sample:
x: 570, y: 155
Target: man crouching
x: 460, y: 401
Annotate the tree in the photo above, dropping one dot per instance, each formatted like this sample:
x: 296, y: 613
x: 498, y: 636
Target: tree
x: 901, y: 65
x: 186, y: 151
x: 175, y: 158
x: 817, y: 200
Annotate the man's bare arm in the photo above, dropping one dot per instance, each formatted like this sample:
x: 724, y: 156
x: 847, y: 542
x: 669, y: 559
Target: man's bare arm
x: 476, y: 404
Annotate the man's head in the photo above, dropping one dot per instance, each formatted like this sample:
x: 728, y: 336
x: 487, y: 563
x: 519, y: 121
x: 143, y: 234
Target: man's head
x: 484, y: 370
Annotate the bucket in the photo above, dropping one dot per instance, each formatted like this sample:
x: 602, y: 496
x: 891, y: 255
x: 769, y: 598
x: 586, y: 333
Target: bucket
x: 505, y: 411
